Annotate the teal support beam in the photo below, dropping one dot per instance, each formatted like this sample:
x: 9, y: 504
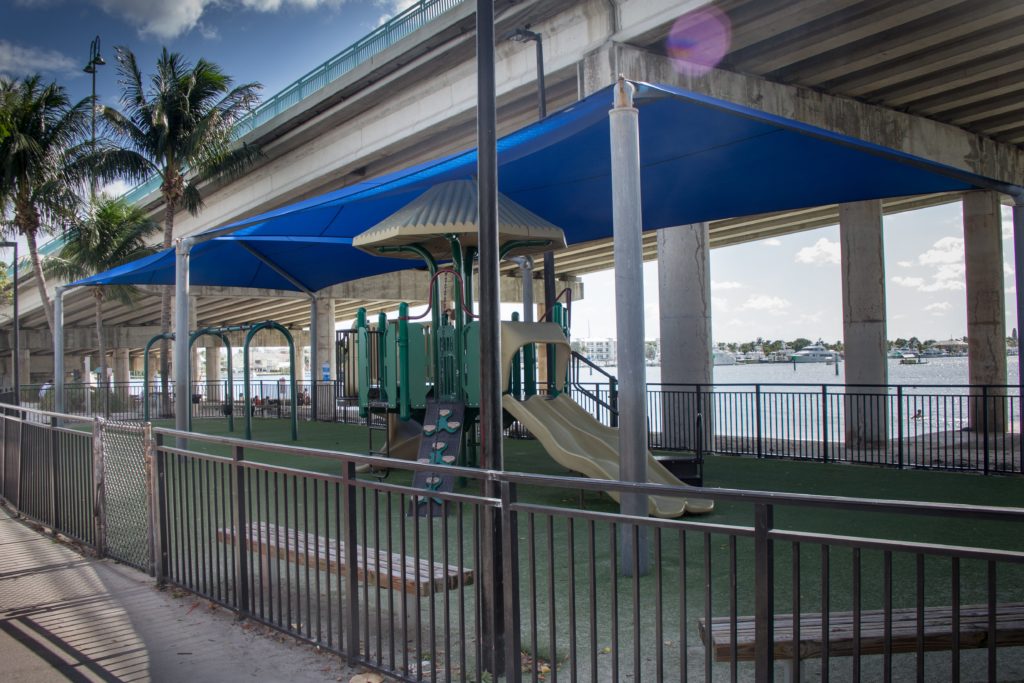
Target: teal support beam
x: 270, y: 324
x: 220, y: 334
x: 145, y: 371
x: 404, y: 410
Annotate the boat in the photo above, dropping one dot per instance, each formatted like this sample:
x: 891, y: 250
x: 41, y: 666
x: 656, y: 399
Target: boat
x: 895, y: 353
x: 722, y: 357
x: 910, y: 358
x: 814, y: 353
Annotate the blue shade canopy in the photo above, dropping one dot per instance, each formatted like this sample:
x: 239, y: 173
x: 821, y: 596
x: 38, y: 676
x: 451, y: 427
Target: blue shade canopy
x: 702, y: 159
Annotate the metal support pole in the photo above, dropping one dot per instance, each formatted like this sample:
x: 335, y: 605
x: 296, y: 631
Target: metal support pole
x: 17, y: 332
x: 627, y: 225
x: 58, y: 350
x: 182, y: 374
x: 314, y: 361
x: 492, y: 612
x: 1018, y: 264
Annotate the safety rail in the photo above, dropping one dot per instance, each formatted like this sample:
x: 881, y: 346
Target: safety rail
x: 294, y: 538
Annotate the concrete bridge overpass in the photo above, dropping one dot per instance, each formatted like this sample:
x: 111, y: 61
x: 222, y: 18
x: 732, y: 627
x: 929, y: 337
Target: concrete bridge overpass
x: 937, y: 79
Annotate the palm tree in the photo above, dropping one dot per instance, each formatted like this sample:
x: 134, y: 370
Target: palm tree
x: 41, y: 163
x: 116, y: 233
x: 178, y: 129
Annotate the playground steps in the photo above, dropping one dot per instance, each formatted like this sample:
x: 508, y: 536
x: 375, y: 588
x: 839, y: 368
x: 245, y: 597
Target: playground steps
x: 441, y: 445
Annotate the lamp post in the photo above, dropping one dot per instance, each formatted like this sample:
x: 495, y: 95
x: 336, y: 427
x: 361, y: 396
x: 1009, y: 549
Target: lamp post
x: 95, y: 60
x: 525, y: 35
x: 17, y: 328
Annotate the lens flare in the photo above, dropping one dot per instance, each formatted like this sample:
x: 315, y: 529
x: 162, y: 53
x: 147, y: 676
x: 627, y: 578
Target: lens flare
x: 699, y: 40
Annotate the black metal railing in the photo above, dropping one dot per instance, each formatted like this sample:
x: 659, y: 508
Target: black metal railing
x: 296, y: 539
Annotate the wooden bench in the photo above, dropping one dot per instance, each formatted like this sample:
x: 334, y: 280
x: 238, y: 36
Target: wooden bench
x: 937, y: 632
x: 388, y: 570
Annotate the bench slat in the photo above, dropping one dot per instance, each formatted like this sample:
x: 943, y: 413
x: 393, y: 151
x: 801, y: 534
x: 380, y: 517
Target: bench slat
x: 387, y: 570
x: 937, y: 629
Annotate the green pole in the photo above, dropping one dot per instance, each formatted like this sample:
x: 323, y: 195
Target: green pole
x: 362, y: 348
x: 404, y: 409
x: 382, y: 349
x: 145, y: 372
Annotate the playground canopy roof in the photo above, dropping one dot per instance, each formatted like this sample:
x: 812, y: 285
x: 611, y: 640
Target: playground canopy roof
x: 702, y: 159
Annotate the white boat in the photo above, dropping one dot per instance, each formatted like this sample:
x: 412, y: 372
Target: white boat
x: 910, y: 358
x: 814, y: 353
x: 895, y: 353
x: 722, y: 357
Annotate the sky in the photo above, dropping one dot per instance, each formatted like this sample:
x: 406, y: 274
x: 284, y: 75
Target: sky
x: 781, y: 288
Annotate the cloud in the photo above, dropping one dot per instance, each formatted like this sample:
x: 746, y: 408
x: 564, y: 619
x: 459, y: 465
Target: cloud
x: 167, y: 20
x: 772, y: 242
x: 946, y: 250
x: 726, y: 285
x: 764, y: 302
x: 947, y: 277
x: 905, y: 264
x: 392, y: 7
x: 821, y: 252
x: 17, y: 61
x: 908, y: 281
x: 938, y: 307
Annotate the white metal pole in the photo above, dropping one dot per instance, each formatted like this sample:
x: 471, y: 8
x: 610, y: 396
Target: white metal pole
x: 182, y: 374
x: 627, y: 224
x: 58, y: 349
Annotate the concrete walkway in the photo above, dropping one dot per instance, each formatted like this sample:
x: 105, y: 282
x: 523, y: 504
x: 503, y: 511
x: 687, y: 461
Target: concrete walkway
x: 68, y: 617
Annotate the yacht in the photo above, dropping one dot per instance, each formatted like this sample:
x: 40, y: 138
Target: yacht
x: 720, y: 356
x: 814, y: 353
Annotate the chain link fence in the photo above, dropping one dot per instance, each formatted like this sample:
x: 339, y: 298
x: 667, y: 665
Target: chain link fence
x: 125, y: 493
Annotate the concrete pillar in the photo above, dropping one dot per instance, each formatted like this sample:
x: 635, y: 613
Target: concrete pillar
x: 135, y: 362
x: 325, y: 352
x: 214, y: 388
x: 986, y: 322
x: 25, y: 366
x: 122, y: 371
x: 684, y: 296
x: 864, y: 334
x: 325, y: 338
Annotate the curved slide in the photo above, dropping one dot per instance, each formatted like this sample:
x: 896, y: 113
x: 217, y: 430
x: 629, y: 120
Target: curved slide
x: 580, y: 443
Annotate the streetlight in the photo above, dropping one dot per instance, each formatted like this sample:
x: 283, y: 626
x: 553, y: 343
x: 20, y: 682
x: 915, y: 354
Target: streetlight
x: 525, y: 35
x: 95, y: 60
x: 17, y: 329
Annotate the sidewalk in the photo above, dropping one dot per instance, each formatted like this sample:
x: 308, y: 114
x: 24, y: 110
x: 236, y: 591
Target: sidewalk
x: 68, y: 617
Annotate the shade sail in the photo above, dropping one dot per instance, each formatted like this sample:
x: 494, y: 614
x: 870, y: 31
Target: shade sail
x: 702, y: 159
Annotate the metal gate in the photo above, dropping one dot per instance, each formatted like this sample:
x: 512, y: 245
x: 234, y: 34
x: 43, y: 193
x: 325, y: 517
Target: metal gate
x: 124, y: 486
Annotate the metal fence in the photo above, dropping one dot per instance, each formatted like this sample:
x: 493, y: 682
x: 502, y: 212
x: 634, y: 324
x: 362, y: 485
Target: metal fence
x: 513, y: 578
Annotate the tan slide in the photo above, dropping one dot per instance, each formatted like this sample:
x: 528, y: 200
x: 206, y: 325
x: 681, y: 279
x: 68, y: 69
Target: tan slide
x: 580, y: 443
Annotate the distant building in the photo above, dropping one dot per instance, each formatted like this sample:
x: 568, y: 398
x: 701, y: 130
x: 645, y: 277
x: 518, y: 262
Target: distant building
x: 600, y: 351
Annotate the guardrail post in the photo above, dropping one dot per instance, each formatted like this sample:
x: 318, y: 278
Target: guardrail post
x: 613, y: 401
x: 99, y: 501
x: 824, y: 423
x: 241, y: 531
x: 351, y: 566
x: 52, y: 441
x: 764, y: 592
x: 984, y: 424
x: 510, y: 586
x: 155, y: 491
x: 899, y: 425
x: 757, y: 420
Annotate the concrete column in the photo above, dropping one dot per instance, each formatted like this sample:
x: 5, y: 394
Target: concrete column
x: 325, y: 338
x: 986, y: 322
x: 135, y: 363
x: 684, y: 295
x: 864, y: 334
x: 325, y: 353
x: 214, y: 390
x: 122, y: 372
x: 25, y: 366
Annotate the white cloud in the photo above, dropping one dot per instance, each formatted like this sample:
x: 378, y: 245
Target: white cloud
x: 726, y: 285
x: 908, y: 281
x: 392, y: 7
x: 720, y: 305
x: 938, y: 306
x: 821, y: 252
x: 905, y: 264
x: 772, y: 242
x: 763, y: 302
x: 947, y: 277
x: 17, y: 61
x: 167, y: 20
x: 946, y: 250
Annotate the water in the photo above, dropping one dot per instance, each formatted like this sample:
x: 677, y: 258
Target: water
x: 937, y: 371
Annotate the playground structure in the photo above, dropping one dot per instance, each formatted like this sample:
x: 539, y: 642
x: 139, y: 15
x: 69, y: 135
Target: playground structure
x: 426, y: 375
x: 221, y: 333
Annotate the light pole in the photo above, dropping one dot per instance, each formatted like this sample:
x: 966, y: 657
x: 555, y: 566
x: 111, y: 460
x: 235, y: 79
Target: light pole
x: 95, y: 60
x: 17, y: 328
x: 525, y: 35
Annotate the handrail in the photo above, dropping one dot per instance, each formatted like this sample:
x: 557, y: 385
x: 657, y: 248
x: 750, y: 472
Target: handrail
x: 567, y: 292
x: 579, y: 357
